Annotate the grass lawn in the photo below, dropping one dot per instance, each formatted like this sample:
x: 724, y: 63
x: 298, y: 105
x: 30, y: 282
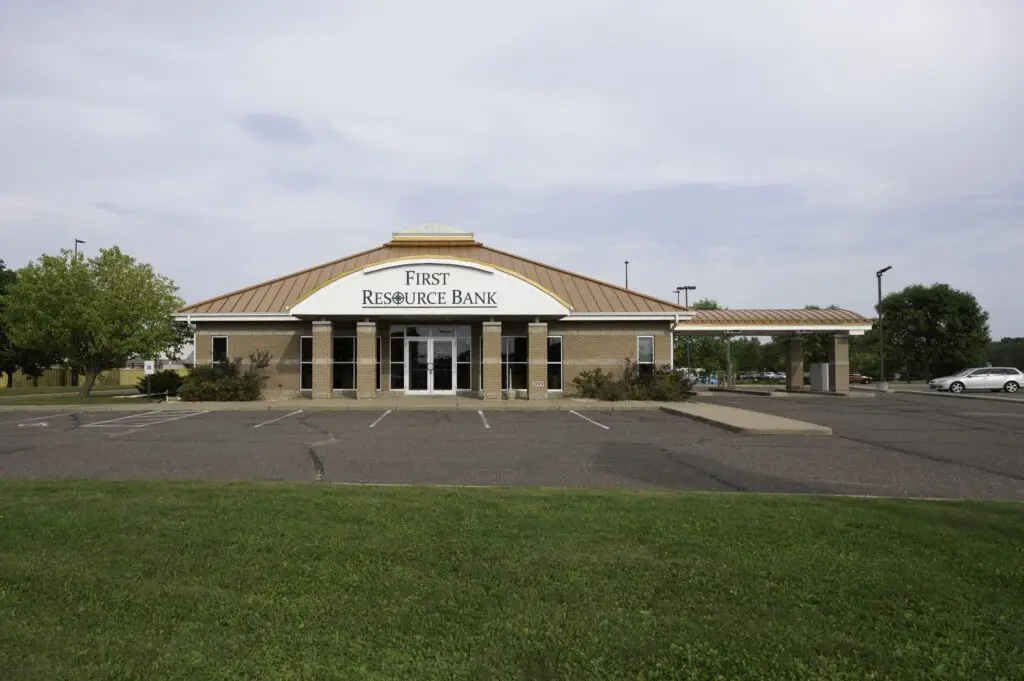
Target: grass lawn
x: 37, y: 390
x: 77, y: 399
x: 177, y: 581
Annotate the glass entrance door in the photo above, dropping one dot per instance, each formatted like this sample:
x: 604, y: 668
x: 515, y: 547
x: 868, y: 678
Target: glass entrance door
x: 443, y: 366
x: 431, y: 366
x: 417, y: 350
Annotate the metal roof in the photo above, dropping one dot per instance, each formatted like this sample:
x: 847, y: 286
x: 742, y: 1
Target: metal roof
x: 777, y: 317
x: 584, y: 295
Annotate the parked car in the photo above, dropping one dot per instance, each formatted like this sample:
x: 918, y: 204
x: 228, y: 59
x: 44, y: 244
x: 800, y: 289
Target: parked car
x: 994, y: 379
x: 859, y: 378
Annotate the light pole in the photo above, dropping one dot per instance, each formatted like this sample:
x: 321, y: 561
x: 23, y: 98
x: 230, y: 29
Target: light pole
x: 882, y: 385
x: 686, y: 291
x: 627, y: 275
x: 77, y: 241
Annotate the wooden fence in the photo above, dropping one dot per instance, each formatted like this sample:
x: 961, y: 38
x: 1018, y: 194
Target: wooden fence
x: 59, y: 378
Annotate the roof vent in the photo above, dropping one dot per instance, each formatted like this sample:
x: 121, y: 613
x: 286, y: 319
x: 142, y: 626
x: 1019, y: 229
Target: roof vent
x: 432, y: 233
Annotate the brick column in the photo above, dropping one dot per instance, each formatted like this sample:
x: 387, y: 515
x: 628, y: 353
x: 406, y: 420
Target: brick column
x: 537, y: 369
x: 492, y: 360
x: 323, y: 361
x: 366, y: 360
x: 794, y: 363
x: 839, y: 364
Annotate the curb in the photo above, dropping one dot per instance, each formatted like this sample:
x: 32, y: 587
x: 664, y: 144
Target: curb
x: 804, y: 429
x: 362, y: 407
x: 961, y: 396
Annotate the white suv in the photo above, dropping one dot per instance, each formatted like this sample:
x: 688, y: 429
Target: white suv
x: 981, y: 378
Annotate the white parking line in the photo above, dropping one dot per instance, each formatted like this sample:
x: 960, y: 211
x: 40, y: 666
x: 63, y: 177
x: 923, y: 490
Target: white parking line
x: 600, y: 425
x: 483, y: 418
x: 297, y: 411
x: 147, y: 419
x: 42, y: 418
x: 121, y: 418
x: 380, y: 418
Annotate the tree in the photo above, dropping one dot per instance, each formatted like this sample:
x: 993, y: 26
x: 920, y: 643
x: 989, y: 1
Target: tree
x: 706, y: 352
x: 1008, y: 352
x: 934, y: 330
x: 8, y: 358
x: 94, y: 314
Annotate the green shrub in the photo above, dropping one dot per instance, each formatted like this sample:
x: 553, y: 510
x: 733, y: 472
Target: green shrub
x: 658, y: 384
x: 166, y: 381
x: 227, y: 381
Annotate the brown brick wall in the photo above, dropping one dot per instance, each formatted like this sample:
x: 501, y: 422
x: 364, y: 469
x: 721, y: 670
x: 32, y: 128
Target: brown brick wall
x: 323, y: 333
x: 366, y: 360
x: 491, y: 332
x: 282, y: 340
x: 584, y: 346
x: 587, y: 346
x: 537, y: 369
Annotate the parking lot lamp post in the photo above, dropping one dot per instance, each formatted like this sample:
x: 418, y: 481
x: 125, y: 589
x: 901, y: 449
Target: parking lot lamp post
x: 882, y: 385
x: 686, y: 292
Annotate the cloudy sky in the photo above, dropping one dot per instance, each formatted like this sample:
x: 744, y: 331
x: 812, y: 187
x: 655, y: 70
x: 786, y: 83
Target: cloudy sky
x: 771, y: 154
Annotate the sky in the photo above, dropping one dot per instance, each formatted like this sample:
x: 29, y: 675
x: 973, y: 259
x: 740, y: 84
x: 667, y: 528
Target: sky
x: 770, y: 154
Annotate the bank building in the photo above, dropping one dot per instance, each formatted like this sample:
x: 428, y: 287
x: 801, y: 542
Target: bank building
x: 435, y: 312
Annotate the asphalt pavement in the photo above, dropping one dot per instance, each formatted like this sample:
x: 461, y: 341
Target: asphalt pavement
x: 893, y: 445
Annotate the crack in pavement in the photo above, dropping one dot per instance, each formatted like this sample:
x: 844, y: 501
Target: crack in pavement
x: 318, y: 463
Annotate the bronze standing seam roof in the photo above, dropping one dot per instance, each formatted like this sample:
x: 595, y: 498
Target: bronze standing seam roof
x: 761, y: 318
x: 584, y: 295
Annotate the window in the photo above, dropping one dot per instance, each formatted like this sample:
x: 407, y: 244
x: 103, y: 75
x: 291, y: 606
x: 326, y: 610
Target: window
x: 554, y: 362
x: 344, y: 359
x: 380, y: 342
x: 220, y: 349
x: 463, y: 358
x: 645, y: 355
x: 306, y: 363
x: 515, y: 356
x: 397, y: 350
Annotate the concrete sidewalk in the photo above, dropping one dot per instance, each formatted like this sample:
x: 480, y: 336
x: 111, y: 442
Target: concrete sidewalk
x: 743, y: 421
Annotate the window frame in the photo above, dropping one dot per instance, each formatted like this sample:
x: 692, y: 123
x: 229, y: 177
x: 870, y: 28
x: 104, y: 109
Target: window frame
x: 213, y: 349
x: 303, y: 361
x: 645, y: 369
x: 653, y: 356
x: 560, y: 363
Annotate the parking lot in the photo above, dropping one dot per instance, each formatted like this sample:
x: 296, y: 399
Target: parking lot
x: 894, y: 445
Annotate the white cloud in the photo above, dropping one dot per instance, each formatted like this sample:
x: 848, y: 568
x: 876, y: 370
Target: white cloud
x: 771, y: 153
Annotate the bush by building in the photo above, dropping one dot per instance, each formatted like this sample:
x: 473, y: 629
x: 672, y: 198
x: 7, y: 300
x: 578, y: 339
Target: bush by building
x: 227, y: 381
x: 166, y: 381
x: 646, y: 383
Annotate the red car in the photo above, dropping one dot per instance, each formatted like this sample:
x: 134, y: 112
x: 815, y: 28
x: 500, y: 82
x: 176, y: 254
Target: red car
x: 859, y: 378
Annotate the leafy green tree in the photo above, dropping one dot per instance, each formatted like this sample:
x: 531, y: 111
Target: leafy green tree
x: 706, y: 352
x: 934, y: 330
x: 1008, y: 352
x: 8, y: 357
x: 95, y: 314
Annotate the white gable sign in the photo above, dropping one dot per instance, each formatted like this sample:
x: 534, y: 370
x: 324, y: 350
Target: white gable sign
x: 427, y: 287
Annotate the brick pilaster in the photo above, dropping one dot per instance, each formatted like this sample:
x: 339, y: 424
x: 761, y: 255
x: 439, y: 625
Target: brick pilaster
x: 323, y: 346
x: 491, y: 333
x: 794, y: 363
x: 537, y: 371
x: 839, y: 364
x: 366, y: 360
